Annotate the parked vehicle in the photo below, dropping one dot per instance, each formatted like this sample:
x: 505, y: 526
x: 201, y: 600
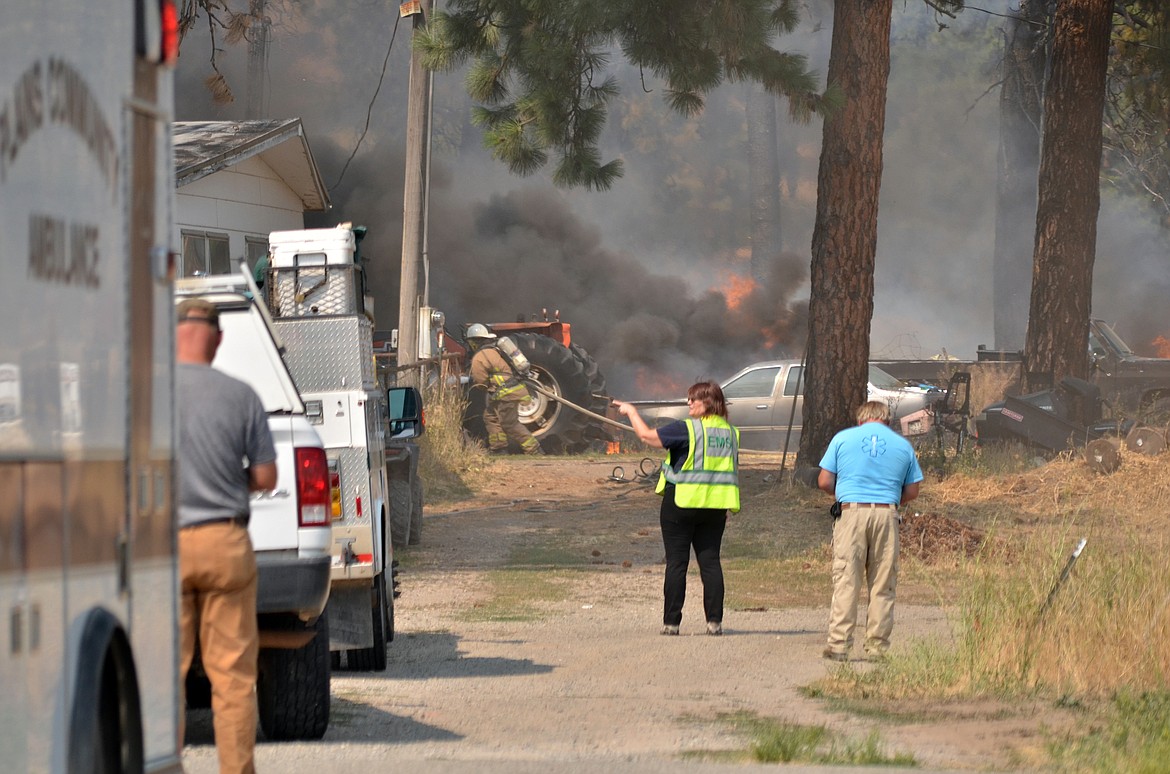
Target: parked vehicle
x: 1131, y: 386
x: 766, y: 401
x: 291, y: 526
x: 88, y: 571
x: 315, y: 290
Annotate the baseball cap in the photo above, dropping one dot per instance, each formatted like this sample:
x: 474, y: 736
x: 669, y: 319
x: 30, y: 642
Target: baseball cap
x: 202, y: 309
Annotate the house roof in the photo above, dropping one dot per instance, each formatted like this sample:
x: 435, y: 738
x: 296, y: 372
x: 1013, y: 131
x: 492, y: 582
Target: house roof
x: 205, y: 147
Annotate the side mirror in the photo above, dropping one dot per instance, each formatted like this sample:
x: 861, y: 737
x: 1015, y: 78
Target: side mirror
x: 405, y: 415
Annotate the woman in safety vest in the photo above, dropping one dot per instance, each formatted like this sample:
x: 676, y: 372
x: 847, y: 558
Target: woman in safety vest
x: 699, y: 484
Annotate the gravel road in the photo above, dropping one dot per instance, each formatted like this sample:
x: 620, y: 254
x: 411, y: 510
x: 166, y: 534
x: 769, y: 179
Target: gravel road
x: 581, y: 680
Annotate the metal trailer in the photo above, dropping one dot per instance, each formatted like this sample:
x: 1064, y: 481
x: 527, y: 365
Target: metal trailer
x: 88, y: 572
x: 315, y: 293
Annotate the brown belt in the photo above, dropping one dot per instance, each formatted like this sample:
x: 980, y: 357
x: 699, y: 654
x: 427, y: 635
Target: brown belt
x: 239, y: 521
x: 868, y: 505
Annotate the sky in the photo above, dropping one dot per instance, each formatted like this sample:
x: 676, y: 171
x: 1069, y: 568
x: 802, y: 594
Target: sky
x: 652, y: 274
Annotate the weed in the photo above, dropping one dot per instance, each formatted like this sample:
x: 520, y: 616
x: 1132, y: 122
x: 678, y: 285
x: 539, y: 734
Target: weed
x: 777, y: 741
x: 452, y: 464
x: 1134, y: 737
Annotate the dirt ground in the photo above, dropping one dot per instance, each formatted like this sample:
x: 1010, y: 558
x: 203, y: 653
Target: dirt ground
x: 527, y: 631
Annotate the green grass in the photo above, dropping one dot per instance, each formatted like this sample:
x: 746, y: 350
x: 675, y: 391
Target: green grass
x: 519, y: 595
x: 1132, y: 738
x: 776, y: 741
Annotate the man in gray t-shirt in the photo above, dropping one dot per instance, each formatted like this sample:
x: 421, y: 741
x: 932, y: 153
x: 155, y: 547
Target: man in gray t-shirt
x: 225, y: 453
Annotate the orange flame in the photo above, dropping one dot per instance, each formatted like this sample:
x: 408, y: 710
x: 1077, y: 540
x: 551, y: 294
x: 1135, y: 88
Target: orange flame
x: 656, y: 385
x: 1161, y: 346
x: 736, y: 290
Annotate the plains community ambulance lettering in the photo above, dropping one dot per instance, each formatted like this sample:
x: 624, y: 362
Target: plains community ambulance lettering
x: 64, y: 253
x: 53, y: 92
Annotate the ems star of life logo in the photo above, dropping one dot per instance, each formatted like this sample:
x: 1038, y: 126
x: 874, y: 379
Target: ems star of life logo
x: 873, y: 445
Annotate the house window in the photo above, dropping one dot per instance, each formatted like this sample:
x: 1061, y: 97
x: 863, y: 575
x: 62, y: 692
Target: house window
x: 256, y: 253
x: 205, y: 253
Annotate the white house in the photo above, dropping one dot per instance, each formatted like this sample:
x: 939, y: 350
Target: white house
x: 236, y: 182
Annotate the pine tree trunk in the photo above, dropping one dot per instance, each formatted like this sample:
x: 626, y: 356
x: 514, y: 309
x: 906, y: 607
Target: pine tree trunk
x: 763, y: 179
x: 1066, y: 216
x: 1019, y: 162
x: 845, y: 233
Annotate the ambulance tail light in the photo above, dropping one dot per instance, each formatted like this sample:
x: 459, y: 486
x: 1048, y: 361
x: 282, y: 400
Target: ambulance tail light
x: 313, y: 496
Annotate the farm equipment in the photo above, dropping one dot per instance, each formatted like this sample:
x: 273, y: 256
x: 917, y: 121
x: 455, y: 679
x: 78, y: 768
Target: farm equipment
x: 561, y: 373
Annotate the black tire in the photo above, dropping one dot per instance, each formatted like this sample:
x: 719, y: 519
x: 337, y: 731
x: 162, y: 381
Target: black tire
x: 599, y: 398
x: 373, y: 658
x: 559, y: 428
x: 293, y: 687
x: 105, y: 725
x: 416, y: 511
x: 401, y: 509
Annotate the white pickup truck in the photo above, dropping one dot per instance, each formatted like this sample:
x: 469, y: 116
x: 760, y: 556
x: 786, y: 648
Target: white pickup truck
x: 291, y: 526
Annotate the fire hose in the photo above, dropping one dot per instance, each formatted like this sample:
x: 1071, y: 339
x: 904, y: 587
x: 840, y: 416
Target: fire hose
x: 574, y: 406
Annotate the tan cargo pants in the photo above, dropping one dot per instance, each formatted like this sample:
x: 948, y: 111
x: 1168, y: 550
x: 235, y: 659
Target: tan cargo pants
x: 217, y: 569
x: 865, y: 549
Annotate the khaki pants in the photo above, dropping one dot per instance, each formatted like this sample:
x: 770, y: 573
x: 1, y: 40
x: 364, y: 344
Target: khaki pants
x: 865, y: 549
x: 501, y: 419
x: 218, y: 573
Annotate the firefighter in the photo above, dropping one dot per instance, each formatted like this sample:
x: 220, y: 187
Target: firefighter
x: 493, y: 371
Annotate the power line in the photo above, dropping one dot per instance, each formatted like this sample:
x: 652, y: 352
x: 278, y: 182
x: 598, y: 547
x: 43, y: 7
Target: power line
x: 370, y: 109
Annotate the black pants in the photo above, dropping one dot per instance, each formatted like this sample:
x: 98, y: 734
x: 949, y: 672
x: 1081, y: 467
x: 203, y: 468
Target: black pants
x: 683, y: 528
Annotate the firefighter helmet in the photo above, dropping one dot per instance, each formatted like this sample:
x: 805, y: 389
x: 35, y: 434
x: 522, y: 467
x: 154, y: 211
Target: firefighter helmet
x: 478, y: 331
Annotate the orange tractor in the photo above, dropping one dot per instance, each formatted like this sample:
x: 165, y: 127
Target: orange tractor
x: 559, y: 368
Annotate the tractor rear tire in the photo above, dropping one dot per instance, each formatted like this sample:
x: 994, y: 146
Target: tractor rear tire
x: 556, y: 368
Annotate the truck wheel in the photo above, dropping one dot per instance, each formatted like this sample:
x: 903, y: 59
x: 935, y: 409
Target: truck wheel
x: 401, y: 508
x: 373, y: 659
x: 416, y: 511
x: 558, y: 370
x: 293, y: 686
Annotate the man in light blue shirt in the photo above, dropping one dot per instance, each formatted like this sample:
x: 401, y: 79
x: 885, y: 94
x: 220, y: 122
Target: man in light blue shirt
x: 870, y: 470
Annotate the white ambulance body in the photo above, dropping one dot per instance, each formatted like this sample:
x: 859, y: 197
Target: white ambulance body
x: 88, y: 576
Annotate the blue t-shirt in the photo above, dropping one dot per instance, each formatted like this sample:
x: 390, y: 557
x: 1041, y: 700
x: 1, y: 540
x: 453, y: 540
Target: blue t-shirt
x: 872, y: 464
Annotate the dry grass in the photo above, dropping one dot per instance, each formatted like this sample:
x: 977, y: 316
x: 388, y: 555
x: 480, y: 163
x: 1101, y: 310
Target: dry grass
x: 990, y: 382
x: 1105, y: 628
x: 452, y: 464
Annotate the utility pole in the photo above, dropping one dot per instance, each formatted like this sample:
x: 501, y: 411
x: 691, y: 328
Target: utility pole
x: 414, y: 198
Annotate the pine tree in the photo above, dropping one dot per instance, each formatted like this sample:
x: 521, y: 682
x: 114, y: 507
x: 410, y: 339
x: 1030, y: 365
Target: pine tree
x: 540, y: 70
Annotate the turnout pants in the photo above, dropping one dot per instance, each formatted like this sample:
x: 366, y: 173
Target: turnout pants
x: 501, y: 419
x: 865, y: 550
x: 218, y: 575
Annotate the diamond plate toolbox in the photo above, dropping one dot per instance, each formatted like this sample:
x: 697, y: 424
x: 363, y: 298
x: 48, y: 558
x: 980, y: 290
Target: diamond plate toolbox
x: 329, y: 353
x: 313, y: 290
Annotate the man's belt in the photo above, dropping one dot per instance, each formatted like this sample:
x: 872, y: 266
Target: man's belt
x: 239, y: 521
x: 868, y: 505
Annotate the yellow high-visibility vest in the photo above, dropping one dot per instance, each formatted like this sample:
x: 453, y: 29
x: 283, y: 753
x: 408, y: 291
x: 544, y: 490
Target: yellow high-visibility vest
x: 709, y: 477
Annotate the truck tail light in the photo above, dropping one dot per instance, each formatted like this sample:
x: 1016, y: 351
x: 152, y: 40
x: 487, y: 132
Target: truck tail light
x: 335, y: 489
x: 313, y: 498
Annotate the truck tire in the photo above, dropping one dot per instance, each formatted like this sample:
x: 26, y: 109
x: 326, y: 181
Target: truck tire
x: 401, y: 507
x: 574, y: 377
x: 373, y: 658
x: 416, y: 511
x: 293, y: 686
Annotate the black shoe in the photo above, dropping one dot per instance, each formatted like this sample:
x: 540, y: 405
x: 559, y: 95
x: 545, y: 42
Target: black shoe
x: 832, y: 655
